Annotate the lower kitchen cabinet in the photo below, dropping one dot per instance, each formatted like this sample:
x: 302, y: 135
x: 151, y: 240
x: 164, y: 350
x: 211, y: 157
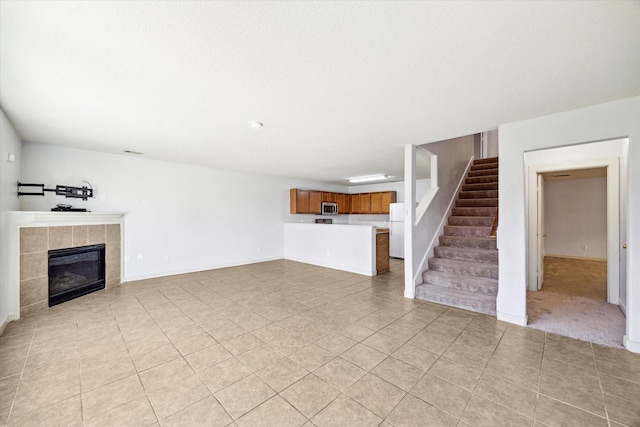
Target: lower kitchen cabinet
x: 382, y: 252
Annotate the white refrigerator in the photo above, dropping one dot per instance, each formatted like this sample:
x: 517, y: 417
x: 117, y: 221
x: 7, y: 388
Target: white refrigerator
x: 396, y: 230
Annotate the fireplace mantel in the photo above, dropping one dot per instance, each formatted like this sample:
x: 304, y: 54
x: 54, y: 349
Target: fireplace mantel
x: 17, y: 220
x: 64, y: 218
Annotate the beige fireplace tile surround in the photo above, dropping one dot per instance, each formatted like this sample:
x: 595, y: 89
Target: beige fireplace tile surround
x: 35, y: 242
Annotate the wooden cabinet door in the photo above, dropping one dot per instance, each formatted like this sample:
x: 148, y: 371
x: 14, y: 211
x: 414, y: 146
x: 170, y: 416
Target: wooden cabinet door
x: 365, y: 203
x: 382, y: 252
x: 344, y: 207
x: 315, y: 200
x: 355, y: 203
x: 375, y: 203
x: 329, y: 197
x: 385, y: 199
x: 298, y: 201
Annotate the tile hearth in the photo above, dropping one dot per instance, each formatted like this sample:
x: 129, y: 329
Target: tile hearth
x: 288, y: 344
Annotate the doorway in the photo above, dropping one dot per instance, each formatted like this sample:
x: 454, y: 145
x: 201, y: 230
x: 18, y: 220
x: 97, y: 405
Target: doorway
x: 536, y: 220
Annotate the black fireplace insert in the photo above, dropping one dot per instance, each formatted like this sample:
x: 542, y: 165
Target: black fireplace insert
x: 75, y: 272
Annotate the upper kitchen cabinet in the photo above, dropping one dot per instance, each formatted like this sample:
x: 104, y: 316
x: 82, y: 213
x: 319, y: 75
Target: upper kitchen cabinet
x: 329, y: 197
x: 305, y: 201
x: 298, y: 201
x: 310, y: 202
x: 386, y: 198
x: 376, y: 207
x: 344, y: 203
x: 365, y: 203
x: 315, y: 202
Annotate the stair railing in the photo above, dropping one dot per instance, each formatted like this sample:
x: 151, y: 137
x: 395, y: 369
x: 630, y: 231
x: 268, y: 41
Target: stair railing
x: 494, y: 227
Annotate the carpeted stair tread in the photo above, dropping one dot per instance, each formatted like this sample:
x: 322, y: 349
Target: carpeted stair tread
x: 475, y: 211
x: 481, y: 166
x: 482, y: 172
x: 481, y: 179
x: 468, y: 242
x: 482, y: 285
x: 466, y: 230
x: 457, y: 298
x: 468, y: 254
x: 486, y: 160
x: 464, y: 270
x: 467, y: 268
x: 479, y: 194
x: 476, y: 202
x: 469, y: 220
x: 480, y: 186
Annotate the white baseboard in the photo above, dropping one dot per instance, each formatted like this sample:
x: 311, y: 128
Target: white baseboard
x: 623, y: 308
x: 192, y: 270
x: 8, y: 318
x: 334, y: 266
x: 632, y: 346
x: 510, y: 318
x: 409, y: 294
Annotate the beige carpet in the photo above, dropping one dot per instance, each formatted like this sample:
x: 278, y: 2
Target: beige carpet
x: 572, y: 303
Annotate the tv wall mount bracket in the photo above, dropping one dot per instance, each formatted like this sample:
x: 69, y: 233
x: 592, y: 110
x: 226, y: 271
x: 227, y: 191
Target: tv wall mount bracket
x: 61, y: 190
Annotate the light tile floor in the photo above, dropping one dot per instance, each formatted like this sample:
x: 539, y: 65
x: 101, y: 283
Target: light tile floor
x: 288, y: 344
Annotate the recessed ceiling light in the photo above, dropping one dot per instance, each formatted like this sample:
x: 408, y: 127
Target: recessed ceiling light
x: 255, y: 124
x: 368, y: 178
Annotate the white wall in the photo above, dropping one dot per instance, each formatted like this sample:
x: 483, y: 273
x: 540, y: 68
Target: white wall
x: 453, y: 158
x: 602, y: 122
x: 343, y: 247
x: 199, y: 218
x: 575, y: 215
x: 422, y: 185
x: 9, y: 175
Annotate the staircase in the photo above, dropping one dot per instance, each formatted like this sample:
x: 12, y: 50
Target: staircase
x: 464, y: 271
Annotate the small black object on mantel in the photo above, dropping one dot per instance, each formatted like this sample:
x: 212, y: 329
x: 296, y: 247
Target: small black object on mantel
x: 61, y: 190
x: 67, y: 208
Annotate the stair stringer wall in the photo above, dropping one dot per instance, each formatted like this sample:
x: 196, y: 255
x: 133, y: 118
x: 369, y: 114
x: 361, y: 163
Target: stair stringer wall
x: 454, y: 156
x: 424, y: 263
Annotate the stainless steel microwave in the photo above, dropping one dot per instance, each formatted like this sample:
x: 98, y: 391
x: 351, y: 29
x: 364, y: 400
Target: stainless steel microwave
x: 329, y: 208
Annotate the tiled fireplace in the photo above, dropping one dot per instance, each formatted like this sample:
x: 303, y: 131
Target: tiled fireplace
x: 35, y: 244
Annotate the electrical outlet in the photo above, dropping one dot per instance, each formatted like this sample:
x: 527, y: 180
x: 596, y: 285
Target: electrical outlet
x: 103, y: 198
x: 126, y: 258
x: 584, y: 247
x: 139, y: 256
x: 166, y: 258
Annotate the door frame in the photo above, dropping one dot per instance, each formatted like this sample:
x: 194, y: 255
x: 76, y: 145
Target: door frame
x: 540, y: 234
x: 613, y: 219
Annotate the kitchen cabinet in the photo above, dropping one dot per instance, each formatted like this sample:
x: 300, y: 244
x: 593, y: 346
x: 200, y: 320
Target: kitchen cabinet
x: 382, y: 251
x: 344, y: 203
x: 355, y: 203
x: 329, y: 197
x: 386, y: 198
x: 365, y: 203
x: 298, y: 201
x: 315, y: 202
x: 310, y: 201
x: 375, y: 203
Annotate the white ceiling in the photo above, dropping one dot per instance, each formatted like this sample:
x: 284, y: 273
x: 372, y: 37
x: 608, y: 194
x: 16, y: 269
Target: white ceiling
x: 341, y: 87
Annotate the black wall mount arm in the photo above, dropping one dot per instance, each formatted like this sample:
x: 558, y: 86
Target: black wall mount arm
x: 61, y: 190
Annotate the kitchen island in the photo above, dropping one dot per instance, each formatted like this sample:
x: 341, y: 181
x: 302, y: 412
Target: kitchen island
x: 344, y: 247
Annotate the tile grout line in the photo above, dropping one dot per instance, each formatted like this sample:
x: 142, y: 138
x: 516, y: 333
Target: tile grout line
x: 24, y: 365
x: 604, y: 403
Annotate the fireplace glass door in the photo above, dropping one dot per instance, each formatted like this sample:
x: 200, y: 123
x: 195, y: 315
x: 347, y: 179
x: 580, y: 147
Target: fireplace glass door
x: 75, y: 272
